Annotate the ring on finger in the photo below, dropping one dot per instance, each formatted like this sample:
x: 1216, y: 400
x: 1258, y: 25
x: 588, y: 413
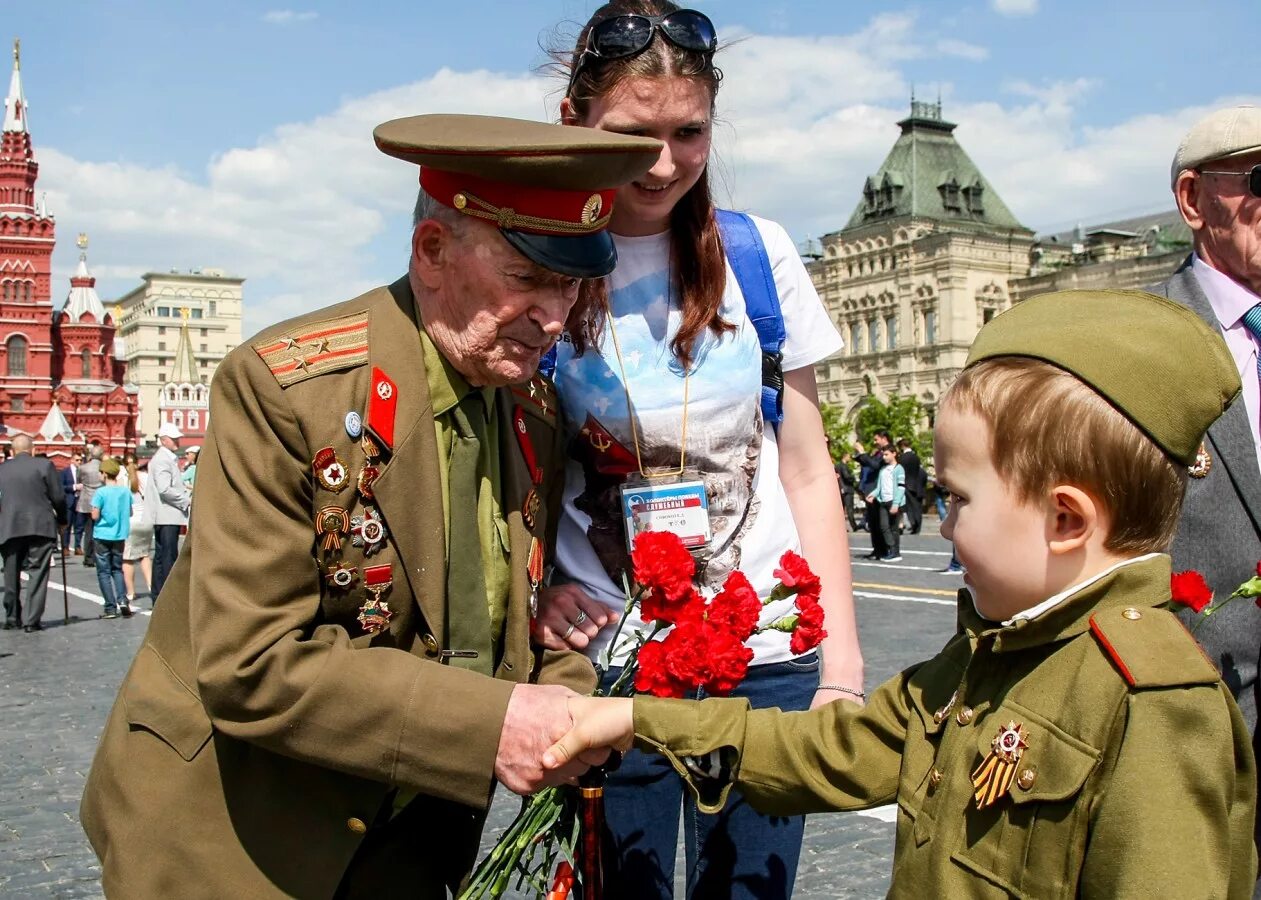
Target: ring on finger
x: 582, y: 617
x: 568, y: 631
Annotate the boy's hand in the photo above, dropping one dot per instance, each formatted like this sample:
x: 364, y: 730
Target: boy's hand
x: 598, y: 722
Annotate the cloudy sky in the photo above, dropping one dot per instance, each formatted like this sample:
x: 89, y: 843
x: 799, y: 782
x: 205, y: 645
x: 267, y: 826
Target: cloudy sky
x: 237, y: 135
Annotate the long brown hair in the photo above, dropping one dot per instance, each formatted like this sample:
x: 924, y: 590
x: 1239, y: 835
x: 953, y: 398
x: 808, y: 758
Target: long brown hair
x: 695, y: 243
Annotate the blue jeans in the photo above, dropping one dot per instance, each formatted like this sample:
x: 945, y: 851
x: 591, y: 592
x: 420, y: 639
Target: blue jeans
x: 737, y: 853
x: 109, y: 572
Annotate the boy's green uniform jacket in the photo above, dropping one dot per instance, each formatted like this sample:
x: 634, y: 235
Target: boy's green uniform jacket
x: 1138, y: 778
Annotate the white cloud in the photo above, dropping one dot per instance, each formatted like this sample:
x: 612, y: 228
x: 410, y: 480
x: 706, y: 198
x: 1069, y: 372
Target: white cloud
x: 289, y: 16
x: 962, y: 49
x: 1015, y: 7
x: 312, y: 214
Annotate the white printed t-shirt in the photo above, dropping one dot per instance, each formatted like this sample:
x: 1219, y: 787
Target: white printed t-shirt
x: 739, y: 461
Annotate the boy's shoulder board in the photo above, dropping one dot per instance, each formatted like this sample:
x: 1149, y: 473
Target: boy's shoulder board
x: 1151, y: 648
x: 538, y: 395
x: 308, y: 349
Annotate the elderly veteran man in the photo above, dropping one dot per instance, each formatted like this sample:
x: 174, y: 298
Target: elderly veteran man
x: 1216, y: 178
x: 337, y: 673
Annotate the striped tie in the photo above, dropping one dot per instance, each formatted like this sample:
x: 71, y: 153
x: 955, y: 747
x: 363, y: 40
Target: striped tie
x: 1252, y: 322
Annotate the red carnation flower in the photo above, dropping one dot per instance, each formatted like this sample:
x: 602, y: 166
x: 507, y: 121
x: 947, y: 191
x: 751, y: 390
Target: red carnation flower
x: 1259, y: 570
x: 794, y: 573
x: 736, y: 607
x: 809, y: 632
x: 656, y: 606
x: 1191, y: 590
x: 653, y: 676
x: 665, y: 569
x: 728, y: 662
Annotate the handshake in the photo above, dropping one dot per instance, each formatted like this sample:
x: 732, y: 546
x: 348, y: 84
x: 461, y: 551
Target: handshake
x: 551, y: 735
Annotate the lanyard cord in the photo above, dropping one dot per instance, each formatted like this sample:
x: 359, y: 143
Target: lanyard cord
x: 630, y: 410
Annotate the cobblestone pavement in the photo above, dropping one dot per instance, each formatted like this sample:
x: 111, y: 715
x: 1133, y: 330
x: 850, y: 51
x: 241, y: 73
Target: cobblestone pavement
x: 57, y: 686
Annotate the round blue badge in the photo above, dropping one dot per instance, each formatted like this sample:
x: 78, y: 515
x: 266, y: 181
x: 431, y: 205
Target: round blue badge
x: 354, y: 425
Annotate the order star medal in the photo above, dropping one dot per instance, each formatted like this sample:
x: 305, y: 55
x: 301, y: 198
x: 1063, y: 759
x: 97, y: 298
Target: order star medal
x: 993, y: 777
x: 368, y: 531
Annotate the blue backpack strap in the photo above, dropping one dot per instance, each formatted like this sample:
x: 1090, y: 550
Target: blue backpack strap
x: 746, y: 253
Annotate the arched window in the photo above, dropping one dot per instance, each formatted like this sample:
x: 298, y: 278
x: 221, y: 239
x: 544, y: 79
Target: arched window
x: 16, y: 353
x: 85, y: 363
x: 177, y: 418
x: 192, y: 420
x: 184, y: 394
x: 8, y: 290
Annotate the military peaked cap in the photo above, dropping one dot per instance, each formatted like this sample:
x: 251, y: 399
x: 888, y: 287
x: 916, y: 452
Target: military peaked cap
x: 548, y: 188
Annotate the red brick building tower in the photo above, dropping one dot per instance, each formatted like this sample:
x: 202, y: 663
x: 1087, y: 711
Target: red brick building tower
x: 61, y: 403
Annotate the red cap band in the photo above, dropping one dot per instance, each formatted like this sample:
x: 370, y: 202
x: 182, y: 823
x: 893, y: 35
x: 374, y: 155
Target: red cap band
x: 519, y: 207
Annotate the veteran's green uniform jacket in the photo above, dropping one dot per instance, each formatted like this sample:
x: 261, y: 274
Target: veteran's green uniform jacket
x: 262, y: 729
x: 1137, y: 778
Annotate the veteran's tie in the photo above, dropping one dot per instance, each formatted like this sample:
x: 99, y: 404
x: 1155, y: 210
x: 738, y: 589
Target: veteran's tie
x: 468, y: 612
x: 1252, y: 322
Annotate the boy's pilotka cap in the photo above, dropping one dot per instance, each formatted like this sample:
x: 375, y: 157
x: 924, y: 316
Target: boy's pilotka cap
x: 1153, y: 359
x: 548, y: 188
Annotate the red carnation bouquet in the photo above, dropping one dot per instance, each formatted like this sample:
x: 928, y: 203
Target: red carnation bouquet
x: 704, y: 646
x: 1189, y: 589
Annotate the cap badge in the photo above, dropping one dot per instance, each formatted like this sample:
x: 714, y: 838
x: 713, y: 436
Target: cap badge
x: 1203, y: 463
x: 591, y: 209
x: 329, y: 470
x: 993, y: 777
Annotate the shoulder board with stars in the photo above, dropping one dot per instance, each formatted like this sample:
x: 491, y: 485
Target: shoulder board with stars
x: 316, y: 348
x: 538, y: 395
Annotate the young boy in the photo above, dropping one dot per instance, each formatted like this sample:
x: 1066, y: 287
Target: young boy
x: 1071, y: 740
x: 111, y: 513
x: 890, y: 498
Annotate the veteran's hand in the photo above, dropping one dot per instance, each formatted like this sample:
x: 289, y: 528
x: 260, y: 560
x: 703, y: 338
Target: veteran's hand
x: 568, y: 618
x: 537, y: 717
x: 599, y: 723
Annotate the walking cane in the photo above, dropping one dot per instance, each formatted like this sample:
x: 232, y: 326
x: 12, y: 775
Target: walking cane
x: 65, y: 590
x: 591, y: 832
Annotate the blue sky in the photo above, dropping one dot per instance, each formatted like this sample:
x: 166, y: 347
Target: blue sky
x: 238, y: 135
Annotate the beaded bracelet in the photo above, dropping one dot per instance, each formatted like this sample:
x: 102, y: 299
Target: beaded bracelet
x: 844, y: 690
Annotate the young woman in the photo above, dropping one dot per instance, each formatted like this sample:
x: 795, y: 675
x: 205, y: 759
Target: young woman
x: 664, y: 371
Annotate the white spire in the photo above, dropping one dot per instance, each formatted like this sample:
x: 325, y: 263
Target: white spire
x: 15, y: 102
x: 55, y: 425
x: 83, y: 297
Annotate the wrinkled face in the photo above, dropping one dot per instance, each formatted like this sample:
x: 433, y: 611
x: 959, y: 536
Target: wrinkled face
x: 1230, y: 238
x: 1000, y: 539
x: 491, y: 312
x: 674, y: 110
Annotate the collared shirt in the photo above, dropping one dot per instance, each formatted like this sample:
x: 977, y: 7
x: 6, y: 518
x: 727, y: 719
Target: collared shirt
x: 447, y: 387
x: 1051, y: 602
x: 1230, y: 300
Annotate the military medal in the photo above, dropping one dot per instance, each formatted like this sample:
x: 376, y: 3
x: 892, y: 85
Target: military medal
x: 331, y: 523
x: 367, y: 475
x: 527, y: 446
x: 370, y: 449
x: 1203, y: 463
x: 534, y: 571
x: 993, y: 777
x: 329, y: 470
x: 341, y: 576
x: 368, y: 531
x: 530, y: 508
x: 375, y: 613
x: 354, y: 425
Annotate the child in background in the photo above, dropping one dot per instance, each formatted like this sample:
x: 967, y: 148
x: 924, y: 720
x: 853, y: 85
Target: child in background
x: 1071, y: 740
x: 890, y: 499
x: 111, y: 513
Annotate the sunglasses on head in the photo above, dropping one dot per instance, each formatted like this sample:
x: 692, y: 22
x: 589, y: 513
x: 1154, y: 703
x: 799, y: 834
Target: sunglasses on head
x: 1253, y: 175
x: 619, y: 37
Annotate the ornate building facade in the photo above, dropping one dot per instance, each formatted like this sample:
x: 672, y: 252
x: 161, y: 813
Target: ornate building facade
x: 184, y: 399
x: 60, y: 379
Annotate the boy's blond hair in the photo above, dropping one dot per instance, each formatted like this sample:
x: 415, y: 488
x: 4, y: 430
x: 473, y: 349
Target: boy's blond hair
x: 1047, y: 428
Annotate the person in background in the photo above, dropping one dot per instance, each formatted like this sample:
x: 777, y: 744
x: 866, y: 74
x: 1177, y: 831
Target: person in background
x: 190, y: 466
x: 89, y: 481
x: 889, y: 498
x: 845, y: 476
x: 671, y: 342
x: 166, y: 503
x: 138, y: 548
x: 916, y: 483
x: 31, y: 508
x: 72, y: 531
x: 111, y: 518
x: 869, y: 466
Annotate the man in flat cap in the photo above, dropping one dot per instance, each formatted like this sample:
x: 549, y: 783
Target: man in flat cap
x: 1216, y: 177
x: 340, y: 668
